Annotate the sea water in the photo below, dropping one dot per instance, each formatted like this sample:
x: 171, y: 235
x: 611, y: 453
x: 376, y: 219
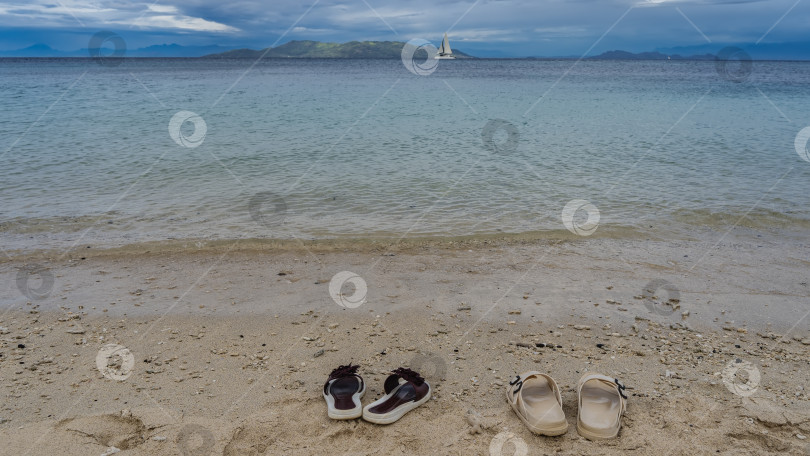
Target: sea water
x: 114, y: 153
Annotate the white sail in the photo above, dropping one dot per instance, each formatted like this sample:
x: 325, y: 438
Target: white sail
x: 445, y: 53
x: 445, y: 48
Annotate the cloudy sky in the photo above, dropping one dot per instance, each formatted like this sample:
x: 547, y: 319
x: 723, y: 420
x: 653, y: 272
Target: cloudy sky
x: 482, y: 27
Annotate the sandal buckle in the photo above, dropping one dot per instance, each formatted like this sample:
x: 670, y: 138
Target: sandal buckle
x: 517, y: 382
x: 620, y: 387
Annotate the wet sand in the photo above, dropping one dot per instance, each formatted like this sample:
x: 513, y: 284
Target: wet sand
x: 230, y: 345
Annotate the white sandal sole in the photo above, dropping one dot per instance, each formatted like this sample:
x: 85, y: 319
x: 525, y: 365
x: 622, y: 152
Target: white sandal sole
x: 393, y: 415
x: 350, y: 414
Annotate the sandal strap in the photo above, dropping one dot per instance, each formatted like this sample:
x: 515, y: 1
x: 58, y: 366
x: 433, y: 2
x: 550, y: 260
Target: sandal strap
x: 392, y: 381
x: 517, y: 384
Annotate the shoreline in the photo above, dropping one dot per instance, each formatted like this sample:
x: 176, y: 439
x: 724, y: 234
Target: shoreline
x: 750, y: 284
x: 399, y: 243
x: 360, y: 244
x: 42, y: 237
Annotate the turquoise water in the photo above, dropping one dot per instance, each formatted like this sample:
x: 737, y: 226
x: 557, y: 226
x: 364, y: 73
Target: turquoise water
x: 332, y: 148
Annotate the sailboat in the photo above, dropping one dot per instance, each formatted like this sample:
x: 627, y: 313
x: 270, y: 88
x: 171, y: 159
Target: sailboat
x: 445, y: 53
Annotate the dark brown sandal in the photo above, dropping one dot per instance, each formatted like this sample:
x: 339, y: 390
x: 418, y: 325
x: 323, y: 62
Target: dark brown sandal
x: 404, y: 391
x: 342, y: 392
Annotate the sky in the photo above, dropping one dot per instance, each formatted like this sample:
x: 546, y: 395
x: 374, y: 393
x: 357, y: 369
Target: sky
x: 484, y: 28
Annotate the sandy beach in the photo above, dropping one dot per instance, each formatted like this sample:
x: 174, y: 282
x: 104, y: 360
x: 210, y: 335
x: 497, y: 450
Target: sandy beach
x: 223, y: 348
x: 208, y: 212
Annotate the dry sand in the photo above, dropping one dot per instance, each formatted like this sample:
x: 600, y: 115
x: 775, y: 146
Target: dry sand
x: 230, y: 346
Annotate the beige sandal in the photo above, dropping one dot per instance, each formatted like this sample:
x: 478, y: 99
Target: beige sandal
x: 536, y: 400
x: 601, y: 405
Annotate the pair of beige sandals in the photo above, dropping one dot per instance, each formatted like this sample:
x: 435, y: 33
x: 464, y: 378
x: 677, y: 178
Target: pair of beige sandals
x: 535, y: 398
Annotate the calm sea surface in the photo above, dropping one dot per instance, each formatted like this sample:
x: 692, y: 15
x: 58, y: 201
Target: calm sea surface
x: 366, y: 148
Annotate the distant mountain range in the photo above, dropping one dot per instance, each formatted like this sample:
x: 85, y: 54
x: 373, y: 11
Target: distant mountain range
x: 319, y: 50
x: 393, y: 50
x: 158, y: 50
x: 292, y: 49
x: 761, y: 51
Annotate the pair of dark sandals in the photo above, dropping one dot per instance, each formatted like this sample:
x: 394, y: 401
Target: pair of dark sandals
x: 404, y: 391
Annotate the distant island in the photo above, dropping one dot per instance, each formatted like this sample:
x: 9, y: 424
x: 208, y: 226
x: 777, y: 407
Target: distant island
x: 154, y: 51
x: 393, y: 49
x: 318, y: 50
